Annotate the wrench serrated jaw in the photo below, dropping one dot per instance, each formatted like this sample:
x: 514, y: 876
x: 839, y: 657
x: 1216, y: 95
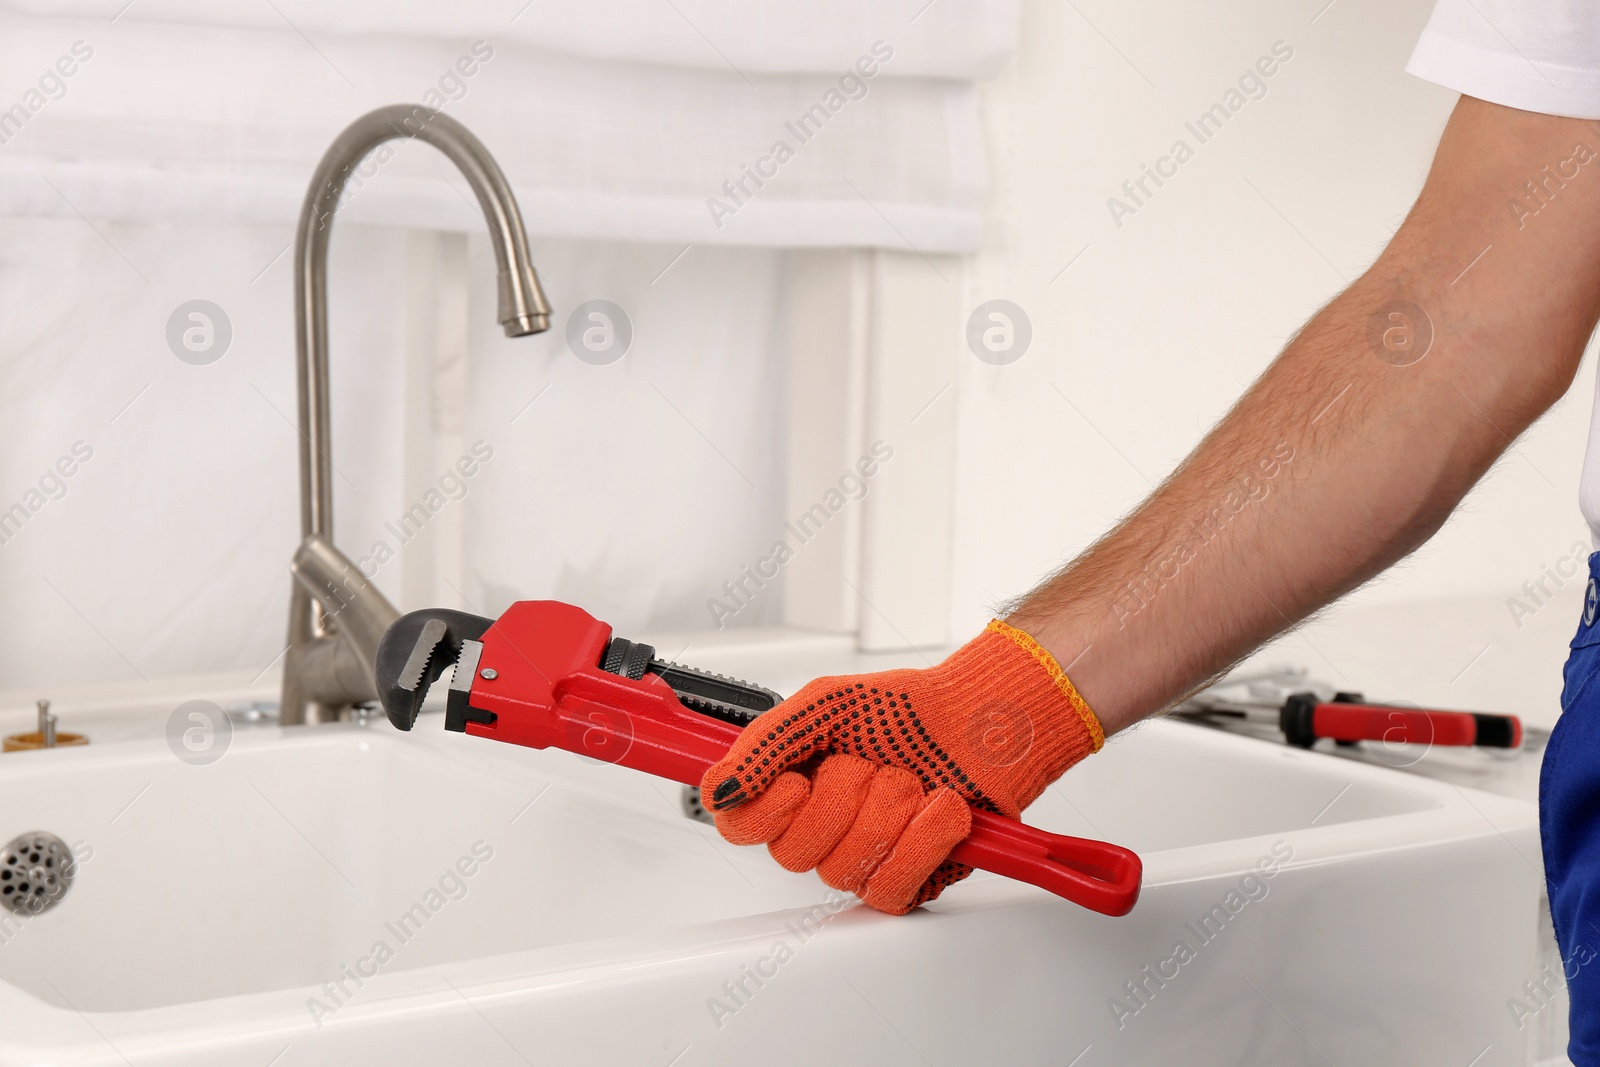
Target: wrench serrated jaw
x: 414, y: 652
x: 427, y: 645
x: 458, y: 706
x: 425, y: 661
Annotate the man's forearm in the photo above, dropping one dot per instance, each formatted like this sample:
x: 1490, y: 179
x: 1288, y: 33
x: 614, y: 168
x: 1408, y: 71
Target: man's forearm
x: 1344, y: 456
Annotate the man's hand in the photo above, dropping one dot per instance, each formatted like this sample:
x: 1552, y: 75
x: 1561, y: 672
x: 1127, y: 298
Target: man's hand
x: 869, y: 779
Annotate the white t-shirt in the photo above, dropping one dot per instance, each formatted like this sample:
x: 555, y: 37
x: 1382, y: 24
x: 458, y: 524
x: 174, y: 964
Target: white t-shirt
x: 1541, y: 57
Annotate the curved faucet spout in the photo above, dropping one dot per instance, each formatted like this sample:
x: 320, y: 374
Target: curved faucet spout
x: 523, y: 310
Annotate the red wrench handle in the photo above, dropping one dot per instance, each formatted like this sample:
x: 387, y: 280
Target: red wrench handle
x: 544, y: 689
x: 1359, y: 722
x: 1096, y: 874
x: 1305, y: 719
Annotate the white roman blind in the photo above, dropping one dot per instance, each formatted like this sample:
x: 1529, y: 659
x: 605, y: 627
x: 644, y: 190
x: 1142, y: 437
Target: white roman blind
x: 784, y: 123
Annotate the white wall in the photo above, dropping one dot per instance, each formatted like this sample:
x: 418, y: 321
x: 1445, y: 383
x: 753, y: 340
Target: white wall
x: 1159, y: 324
x: 638, y: 488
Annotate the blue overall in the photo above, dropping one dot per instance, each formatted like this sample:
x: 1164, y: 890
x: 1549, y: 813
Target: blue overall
x: 1569, y: 826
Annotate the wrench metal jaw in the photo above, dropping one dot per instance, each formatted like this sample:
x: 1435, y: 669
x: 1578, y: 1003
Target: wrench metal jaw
x: 416, y: 650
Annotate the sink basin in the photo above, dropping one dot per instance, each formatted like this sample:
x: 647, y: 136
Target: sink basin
x: 297, y: 853
x: 350, y: 894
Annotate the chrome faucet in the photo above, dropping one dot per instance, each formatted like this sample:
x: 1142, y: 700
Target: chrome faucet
x: 336, y: 615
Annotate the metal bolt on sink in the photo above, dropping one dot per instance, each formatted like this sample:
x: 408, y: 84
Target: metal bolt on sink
x: 35, y: 872
x: 46, y: 736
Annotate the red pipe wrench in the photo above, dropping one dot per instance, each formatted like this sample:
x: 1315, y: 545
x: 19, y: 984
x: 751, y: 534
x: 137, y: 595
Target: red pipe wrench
x: 549, y: 674
x: 1305, y: 719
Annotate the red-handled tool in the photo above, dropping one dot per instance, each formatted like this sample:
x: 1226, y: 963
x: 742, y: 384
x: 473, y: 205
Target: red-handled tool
x: 1304, y: 719
x: 549, y: 674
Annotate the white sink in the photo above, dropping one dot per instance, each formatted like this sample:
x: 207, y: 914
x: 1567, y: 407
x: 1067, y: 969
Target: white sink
x: 597, y: 925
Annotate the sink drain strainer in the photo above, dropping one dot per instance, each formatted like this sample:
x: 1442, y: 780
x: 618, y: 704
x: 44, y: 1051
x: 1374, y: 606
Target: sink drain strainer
x: 35, y: 872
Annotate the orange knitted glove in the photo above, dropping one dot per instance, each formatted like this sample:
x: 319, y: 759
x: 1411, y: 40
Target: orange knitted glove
x: 868, y: 778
